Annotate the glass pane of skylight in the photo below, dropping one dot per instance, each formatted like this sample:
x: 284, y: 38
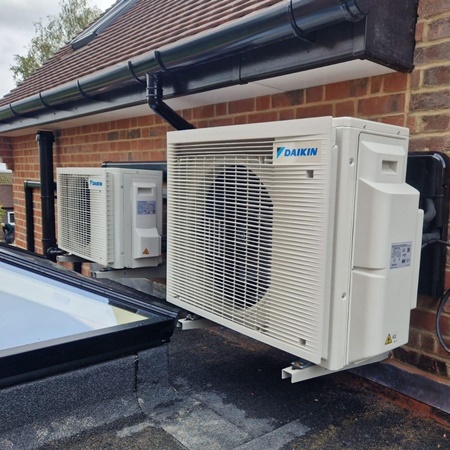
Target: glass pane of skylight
x: 36, y: 309
x: 108, y: 18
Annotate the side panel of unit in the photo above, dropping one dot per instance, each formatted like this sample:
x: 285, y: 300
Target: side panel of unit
x: 387, y: 246
x: 142, y: 218
x: 346, y: 151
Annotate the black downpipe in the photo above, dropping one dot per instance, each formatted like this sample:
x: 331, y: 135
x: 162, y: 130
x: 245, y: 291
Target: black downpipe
x: 156, y: 103
x: 29, y: 211
x: 46, y: 139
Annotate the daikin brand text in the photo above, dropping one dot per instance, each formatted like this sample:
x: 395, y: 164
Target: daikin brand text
x: 308, y: 151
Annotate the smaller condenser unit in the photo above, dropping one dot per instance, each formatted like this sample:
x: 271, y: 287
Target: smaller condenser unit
x: 301, y: 234
x: 110, y: 216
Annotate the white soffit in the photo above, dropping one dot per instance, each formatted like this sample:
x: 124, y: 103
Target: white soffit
x: 350, y: 70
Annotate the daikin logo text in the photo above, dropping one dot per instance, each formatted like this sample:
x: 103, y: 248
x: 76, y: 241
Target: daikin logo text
x: 95, y: 183
x: 307, y: 151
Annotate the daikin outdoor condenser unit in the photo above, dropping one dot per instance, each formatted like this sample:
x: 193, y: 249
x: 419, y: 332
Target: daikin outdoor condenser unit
x: 301, y: 234
x: 110, y: 216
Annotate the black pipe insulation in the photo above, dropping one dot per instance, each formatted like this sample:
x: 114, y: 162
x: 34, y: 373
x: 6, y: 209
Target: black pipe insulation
x: 429, y: 213
x: 29, y: 184
x: 46, y: 140
x: 273, y: 24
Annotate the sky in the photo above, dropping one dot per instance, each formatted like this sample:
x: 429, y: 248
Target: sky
x: 16, y: 30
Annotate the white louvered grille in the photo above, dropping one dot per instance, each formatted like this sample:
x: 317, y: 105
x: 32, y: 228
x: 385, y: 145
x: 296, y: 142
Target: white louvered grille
x: 247, y: 240
x: 85, y: 225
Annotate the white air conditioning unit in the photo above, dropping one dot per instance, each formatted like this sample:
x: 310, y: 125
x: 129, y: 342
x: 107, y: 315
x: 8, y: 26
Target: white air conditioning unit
x: 110, y: 216
x: 301, y: 234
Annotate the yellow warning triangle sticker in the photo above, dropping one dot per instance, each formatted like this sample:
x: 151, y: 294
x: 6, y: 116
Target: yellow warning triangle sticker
x: 388, y: 340
x: 145, y: 252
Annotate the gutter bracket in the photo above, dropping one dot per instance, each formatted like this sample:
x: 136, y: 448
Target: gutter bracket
x: 131, y: 69
x: 16, y: 114
x: 158, y: 59
x: 156, y: 103
x: 84, y: 94
x: 46, y: 105
x: 298, y: 32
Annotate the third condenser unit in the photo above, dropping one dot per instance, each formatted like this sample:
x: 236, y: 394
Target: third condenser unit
x: 111, y: 216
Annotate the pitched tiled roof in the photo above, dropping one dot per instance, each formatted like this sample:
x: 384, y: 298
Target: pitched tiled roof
x: 147, y: 26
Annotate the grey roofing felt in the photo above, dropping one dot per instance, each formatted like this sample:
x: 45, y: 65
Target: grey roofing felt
x: 211, y: 389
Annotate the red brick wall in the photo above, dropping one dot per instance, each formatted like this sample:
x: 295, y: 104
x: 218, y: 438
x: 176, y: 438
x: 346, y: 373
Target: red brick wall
x: 144, y: 138
x: 6, y: 153
x: 429, y: 120
x: 420, y: 100
x: 137, y: 139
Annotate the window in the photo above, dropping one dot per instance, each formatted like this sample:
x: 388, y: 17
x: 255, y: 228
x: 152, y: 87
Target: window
x: 117, y: 10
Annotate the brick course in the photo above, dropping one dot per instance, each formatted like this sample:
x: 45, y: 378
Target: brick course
x: 6, y: 152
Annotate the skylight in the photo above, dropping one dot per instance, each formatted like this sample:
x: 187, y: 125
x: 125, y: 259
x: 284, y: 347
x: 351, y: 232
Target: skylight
x: 53, y: 319
x: 37, y: 309
x: 109, y: 17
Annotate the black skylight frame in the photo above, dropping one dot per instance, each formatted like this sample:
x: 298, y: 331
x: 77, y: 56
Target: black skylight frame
x: 109, y: 17
x: 41, y: 359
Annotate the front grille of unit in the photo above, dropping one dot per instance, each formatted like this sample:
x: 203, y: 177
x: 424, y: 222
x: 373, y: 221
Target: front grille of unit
x: 238, y: 234
x: 75, y: 214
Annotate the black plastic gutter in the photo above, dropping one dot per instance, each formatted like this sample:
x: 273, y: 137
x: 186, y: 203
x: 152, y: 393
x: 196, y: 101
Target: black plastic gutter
x: 290, y: 18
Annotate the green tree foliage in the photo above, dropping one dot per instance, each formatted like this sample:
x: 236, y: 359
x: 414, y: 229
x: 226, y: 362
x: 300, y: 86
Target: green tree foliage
x: 74, y: 17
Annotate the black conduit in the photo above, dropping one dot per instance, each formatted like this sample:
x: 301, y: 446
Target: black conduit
x: 29, y: 211
x: 46, y: 139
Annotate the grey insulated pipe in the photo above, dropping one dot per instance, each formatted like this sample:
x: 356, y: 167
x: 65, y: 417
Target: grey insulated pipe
x: 279, y: 22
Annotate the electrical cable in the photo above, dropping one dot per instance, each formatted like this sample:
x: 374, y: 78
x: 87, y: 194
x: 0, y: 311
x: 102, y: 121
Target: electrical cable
x: 442, y: 302
x: 437, y: 241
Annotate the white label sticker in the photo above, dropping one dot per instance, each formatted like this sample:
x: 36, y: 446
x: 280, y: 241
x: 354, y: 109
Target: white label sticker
x: 96, y: 183
x: 145, y: 207
x: 297, y: 152
x: 401, y: 255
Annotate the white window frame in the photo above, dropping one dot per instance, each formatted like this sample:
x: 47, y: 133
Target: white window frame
x: 9, y: 214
